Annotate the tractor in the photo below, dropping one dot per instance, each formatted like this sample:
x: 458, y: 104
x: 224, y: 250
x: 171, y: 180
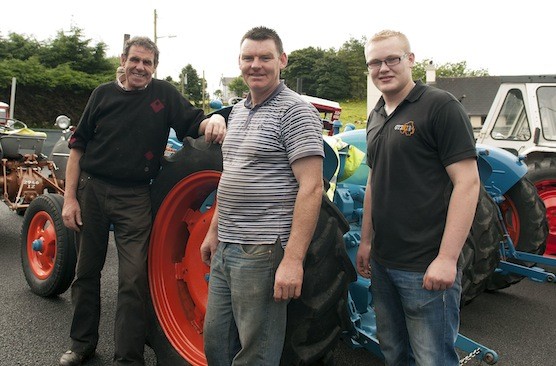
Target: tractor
x: 26, y: 172
x: 336, y: 304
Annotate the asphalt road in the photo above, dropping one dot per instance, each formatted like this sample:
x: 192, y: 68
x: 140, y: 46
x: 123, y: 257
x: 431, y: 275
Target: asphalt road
x: 519, y: 322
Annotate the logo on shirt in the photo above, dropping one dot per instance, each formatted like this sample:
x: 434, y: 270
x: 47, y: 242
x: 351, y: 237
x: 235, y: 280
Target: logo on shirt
x: 157, y: 106
x: 406, y: 129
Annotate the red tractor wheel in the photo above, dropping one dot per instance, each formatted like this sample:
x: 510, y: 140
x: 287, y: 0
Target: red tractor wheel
x: 525, y: 219
x: 48, y: 254
x: 178, y: 278
x: 182, y: 196
x: 547, y: 192
x: 542, y: 172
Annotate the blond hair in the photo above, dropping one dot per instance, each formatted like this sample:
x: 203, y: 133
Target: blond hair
x: 387, y: 33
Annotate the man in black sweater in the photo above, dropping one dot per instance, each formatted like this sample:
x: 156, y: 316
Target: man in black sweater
x: 115, y: 153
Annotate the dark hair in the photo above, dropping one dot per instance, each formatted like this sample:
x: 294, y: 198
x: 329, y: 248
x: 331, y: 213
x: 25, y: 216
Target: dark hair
x: 262, y: 34
x: 144, y: 42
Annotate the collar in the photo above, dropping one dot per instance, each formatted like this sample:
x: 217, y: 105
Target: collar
x: 413, y: 95
x: 276, y: 91
x: 121, y: 85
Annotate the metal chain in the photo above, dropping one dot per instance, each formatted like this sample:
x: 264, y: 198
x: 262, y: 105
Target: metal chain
x: 469, y: 357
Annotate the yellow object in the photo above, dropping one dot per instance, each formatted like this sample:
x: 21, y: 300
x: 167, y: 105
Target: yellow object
x: 353, y: 160
x: 24, y: 132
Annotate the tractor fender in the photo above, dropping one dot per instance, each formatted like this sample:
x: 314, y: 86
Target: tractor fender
x: 499, y: 170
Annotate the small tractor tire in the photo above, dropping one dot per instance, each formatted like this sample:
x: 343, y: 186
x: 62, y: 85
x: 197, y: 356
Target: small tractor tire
x: 182, y: 197
x: 481, y: 251
x: 542, y: 173
x: 525, y: 219
x: 48, y: 252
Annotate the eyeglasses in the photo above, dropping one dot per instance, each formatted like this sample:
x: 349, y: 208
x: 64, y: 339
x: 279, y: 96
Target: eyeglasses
x: 390, y: 61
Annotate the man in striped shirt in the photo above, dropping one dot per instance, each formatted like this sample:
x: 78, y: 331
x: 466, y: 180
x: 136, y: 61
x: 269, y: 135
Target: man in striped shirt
x: 269, y: 200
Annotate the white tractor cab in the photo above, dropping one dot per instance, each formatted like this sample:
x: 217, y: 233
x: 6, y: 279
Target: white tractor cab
x: 522, y: 120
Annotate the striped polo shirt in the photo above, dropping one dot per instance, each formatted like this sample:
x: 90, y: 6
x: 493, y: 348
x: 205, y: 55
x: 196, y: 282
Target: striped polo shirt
x: 257, y: 190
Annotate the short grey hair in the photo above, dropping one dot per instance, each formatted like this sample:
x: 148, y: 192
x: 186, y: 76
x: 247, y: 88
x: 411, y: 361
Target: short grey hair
x: 144, y: 42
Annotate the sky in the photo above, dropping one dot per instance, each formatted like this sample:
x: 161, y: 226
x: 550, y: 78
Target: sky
x: 503, y: 37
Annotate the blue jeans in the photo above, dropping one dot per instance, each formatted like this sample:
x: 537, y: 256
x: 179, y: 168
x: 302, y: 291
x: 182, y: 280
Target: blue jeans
x: 243, y: 324
x: 415, y: 326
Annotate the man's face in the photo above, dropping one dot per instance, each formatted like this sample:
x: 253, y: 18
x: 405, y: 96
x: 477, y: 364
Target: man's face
x: 260, y: 65
x: 392, y: 79
x: 139, y: 67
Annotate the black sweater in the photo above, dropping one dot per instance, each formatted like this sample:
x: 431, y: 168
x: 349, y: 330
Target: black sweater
x: 124, y: 133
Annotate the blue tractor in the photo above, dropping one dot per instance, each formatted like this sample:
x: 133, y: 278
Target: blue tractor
x: 336, y: 304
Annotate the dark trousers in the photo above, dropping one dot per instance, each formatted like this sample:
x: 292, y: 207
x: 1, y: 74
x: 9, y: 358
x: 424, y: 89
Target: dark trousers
x: 128, y: 209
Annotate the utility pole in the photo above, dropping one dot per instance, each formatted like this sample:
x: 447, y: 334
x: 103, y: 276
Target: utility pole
x: 126, y: 38
x: 156, y: 37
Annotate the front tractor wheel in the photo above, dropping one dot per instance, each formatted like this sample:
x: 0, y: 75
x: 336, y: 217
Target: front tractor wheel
x: 525, y: 219
x: 48, y: 253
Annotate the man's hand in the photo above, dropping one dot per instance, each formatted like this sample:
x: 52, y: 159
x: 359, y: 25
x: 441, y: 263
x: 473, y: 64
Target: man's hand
x: 440, y: 275
x: 362, y: 260
x: 71, y: 214
x: 215, y: 129
x: 208, y: 248
x: 288, y: 279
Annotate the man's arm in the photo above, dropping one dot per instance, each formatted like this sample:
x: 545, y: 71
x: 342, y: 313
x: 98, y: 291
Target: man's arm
x: 289, y: 275
x: 364, y: 251
x: 441, y: 273
x: 71, y: 212
x: 210, y: 243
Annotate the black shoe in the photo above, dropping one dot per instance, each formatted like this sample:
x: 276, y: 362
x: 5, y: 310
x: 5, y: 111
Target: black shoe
x: 71, y: 358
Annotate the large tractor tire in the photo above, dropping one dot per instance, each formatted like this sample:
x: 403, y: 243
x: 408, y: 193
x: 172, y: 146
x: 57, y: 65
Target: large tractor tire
x: 317, y: 319
x: 524, y: 216
x: 48, y: 253
x: 481, y: 251
x: 542, y: 173
x: 182, y: 197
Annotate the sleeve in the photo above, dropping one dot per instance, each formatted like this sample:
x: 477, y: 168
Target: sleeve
x: 185, y: 118
x: 454, y: 134
x: 302, y: 132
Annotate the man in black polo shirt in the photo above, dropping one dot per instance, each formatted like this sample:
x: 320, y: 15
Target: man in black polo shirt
x: 419, y: 205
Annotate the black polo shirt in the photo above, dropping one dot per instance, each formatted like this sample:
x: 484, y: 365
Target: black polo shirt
x: 408, y: 152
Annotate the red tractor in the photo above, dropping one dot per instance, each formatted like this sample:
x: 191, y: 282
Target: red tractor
x: 29, y: 177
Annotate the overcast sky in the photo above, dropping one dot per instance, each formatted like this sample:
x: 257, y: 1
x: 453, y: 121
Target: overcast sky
x: 503, y: 37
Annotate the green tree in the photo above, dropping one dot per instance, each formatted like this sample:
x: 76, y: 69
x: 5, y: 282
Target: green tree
x: 301, y: 70
x: 238, y: 86
x: 352, y: 54
x: 192, y: 85
x: 18, y: 47
x: 447, y: 70
x: 332, y: 77
x: 74, y: 50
